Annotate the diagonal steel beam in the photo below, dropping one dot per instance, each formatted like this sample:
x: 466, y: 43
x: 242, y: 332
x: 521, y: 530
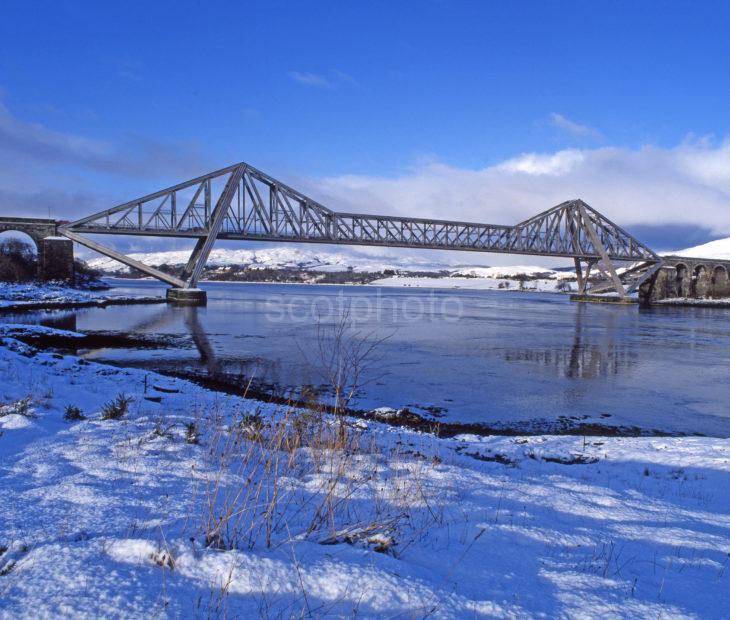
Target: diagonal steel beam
x: 102, y: 249
x: 216, y: 221
x: 597, y: 245
x: 193, y: 260
x: 579, y: 275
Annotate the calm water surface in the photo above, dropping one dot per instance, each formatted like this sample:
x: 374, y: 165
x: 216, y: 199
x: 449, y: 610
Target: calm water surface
x: 476, y: 356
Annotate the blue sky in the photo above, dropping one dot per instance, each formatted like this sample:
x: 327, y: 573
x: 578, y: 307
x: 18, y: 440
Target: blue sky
x: 359, y: 101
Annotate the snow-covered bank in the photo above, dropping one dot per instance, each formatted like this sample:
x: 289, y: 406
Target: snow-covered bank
x: 110, y: 517
x: 13, y: 294
x: 721, y: 302
x: 35, y: 296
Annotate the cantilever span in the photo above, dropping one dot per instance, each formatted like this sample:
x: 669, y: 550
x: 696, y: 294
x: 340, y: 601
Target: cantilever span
x: 241, y: 202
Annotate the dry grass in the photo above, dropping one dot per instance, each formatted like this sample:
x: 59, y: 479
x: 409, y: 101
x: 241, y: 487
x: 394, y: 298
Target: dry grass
x: 303, y: 474
x: 271, y: 481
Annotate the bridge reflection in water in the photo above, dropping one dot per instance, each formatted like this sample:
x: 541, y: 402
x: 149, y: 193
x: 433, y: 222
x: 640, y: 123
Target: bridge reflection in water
x: 164, y: 318
x: 592, y: 354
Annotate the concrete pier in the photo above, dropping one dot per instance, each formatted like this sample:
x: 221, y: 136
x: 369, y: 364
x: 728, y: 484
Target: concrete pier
x: 187, y: 296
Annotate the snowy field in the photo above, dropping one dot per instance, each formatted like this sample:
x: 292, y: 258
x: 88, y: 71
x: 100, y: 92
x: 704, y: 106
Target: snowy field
x: 192, y: 503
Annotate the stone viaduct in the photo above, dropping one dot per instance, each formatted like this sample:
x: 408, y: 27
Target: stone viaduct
x: 690, y: 278
x: 55, y: 253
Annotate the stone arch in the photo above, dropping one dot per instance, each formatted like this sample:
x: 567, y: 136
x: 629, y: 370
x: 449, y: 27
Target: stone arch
x: 23, y: 235
x: 700, y: 281
x: 16, y: 265
x: 719, y: 274
x: 682, y: 280
x: 720, y: 282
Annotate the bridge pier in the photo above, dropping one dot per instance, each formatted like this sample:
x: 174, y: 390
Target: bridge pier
x: 55, y: 254
x: 186, y: 296
x: 56, y: 259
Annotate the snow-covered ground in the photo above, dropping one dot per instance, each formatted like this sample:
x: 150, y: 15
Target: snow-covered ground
x: 109, y: 518
x: 483, y: 283
x: 512, y: 271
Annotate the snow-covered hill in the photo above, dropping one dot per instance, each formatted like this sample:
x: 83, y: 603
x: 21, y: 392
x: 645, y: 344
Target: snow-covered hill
x: 718, y: 249
x: 281, y: 258
x: 511, y: 271
x: 306, y: 259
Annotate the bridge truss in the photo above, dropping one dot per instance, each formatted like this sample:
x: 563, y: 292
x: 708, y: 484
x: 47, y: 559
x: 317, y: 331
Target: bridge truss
x: 241, y: 202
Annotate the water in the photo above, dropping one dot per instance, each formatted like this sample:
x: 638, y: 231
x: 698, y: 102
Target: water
x: 469, y: 356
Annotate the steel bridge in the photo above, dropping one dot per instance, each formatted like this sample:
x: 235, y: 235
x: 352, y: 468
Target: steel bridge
x: 241, y: 202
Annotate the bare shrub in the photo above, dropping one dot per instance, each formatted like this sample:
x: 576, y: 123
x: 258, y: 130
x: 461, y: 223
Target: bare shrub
x: 163, y: 428
x: 345, y: 358
x: 73, y: 414
x: 117, y: 408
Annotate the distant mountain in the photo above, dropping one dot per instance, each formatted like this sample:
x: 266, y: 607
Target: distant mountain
x: 313, y: 260
x: 293, y: 258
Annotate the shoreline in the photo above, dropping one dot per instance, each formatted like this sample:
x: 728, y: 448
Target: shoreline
x: 30, y: 306
x: 404, y: 418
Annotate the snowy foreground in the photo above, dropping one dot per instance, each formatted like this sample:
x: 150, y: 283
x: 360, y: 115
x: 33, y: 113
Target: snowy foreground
x: 189, y: 504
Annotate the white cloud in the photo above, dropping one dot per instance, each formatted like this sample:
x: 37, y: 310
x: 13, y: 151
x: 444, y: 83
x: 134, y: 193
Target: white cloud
x: 537, y: 164
x: 334, y: 79
x: 310, y: 79
x: 577, y: 130
x: 685, y: 185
